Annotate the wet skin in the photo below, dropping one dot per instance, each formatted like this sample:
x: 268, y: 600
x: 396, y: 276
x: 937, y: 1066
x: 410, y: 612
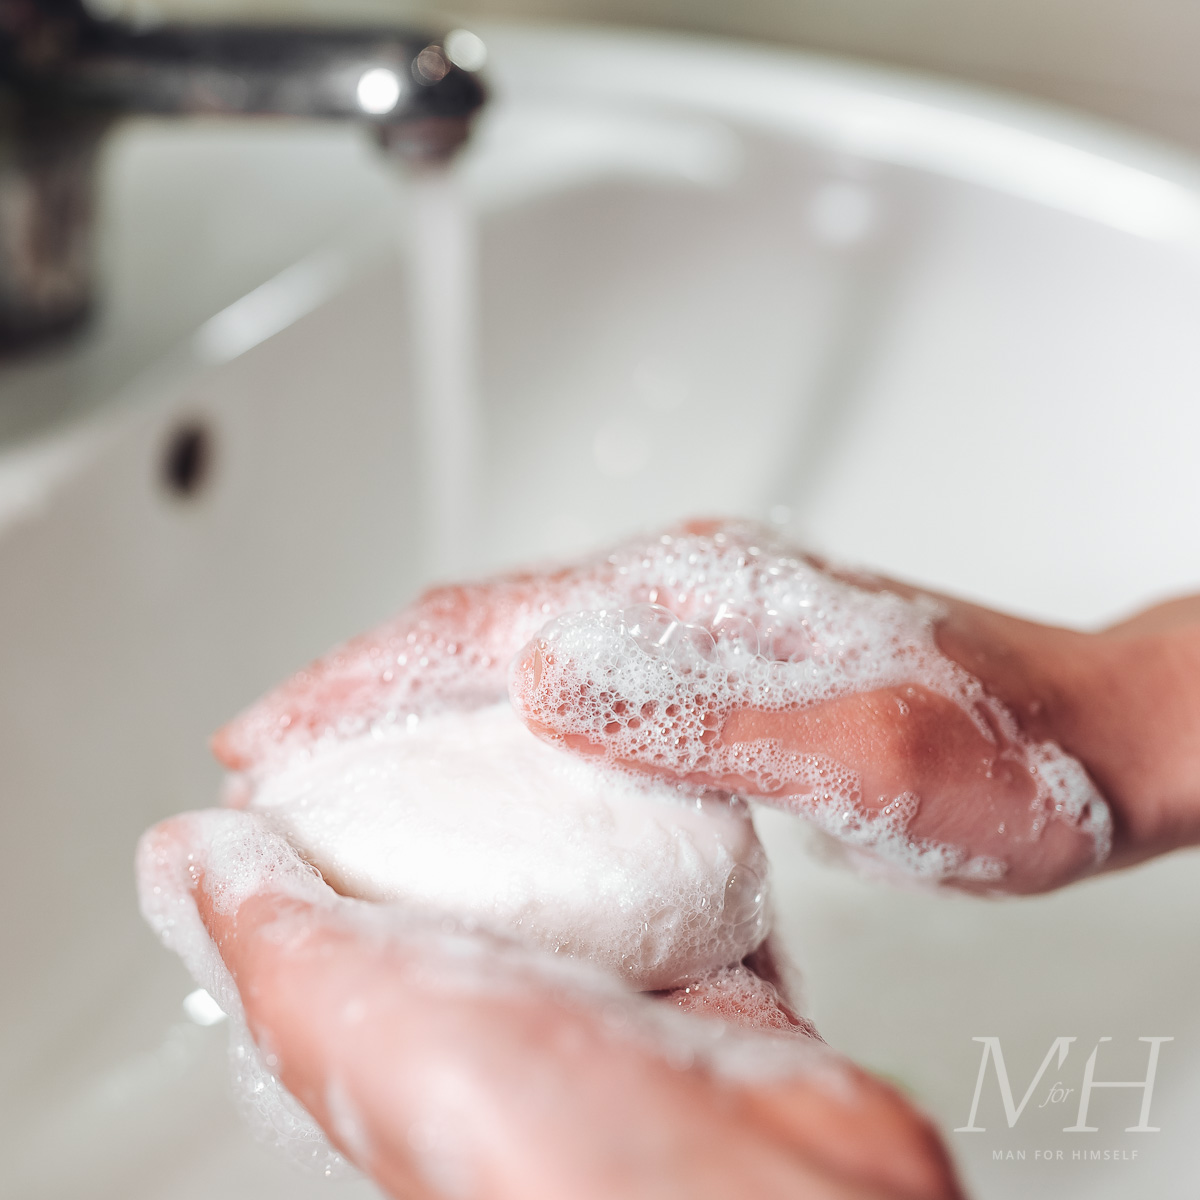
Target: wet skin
x: 526, y: 1092
x: 607, y: 1119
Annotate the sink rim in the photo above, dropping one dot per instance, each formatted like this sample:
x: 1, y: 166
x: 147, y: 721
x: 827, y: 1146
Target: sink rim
x: 1048, y: 155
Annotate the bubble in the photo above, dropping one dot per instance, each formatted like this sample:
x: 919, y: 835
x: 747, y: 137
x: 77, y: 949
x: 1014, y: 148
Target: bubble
x: 237, y: 851
x: 735, y: 633
x: 662, y: 639
x: 742, y: 903
x: 787, y: 635
x: 653, y: 627
x: 692, y: 649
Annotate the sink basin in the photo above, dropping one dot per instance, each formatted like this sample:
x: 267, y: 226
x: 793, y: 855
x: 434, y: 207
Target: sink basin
x: 943, y: 333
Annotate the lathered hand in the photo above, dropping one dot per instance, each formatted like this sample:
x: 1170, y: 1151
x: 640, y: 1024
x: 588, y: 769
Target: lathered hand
x: 448, y: 1064
x: 928, y: 734
x: 932, y: 735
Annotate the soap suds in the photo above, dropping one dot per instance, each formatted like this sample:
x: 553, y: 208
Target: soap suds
x: 238, y: 856
x: 687, y: 627
x: 470, y: 814
x: 737, y: 623
x: 739, y: 994
x: 397, y: 768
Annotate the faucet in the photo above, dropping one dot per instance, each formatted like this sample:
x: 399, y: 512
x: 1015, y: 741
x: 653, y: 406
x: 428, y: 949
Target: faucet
x: 67, y: 76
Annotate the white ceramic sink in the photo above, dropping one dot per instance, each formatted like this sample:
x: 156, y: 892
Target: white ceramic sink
x: 942, y: 333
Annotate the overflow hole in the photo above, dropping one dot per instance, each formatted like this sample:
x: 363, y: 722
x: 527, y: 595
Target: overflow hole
x: 187, y: 460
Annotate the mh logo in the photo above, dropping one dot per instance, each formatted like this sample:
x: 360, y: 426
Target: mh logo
x: 1060, y: 1047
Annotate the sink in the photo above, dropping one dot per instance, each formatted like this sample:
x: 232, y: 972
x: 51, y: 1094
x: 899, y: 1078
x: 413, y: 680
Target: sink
x: 941, y: 332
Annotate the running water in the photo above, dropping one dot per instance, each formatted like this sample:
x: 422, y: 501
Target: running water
x: 441, y: 249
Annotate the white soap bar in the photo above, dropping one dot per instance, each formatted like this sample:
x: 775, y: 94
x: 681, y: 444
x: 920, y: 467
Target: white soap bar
x: 471, y: 814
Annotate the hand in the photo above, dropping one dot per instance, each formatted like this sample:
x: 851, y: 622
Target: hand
x: 373, y: 1022
x: 940, y: 764
x: 446, y: 1064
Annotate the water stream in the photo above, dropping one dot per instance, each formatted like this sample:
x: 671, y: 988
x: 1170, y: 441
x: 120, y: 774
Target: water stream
x: 440, y: 242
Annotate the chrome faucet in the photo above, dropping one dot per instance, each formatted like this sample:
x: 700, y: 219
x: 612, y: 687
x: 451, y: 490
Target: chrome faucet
x: 66, y: 77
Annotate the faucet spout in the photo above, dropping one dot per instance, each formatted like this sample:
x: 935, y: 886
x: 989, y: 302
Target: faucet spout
x: 66, y: 76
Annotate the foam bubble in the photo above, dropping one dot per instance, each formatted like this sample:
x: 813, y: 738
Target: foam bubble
x: 238, y: 856
x: 734, y: 622
x: 691, y: 624
x: 471, y: 814
x: 394, y: 769
x: 743, y: 996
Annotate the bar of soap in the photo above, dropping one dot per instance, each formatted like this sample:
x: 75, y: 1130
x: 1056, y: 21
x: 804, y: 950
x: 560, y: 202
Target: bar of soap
x: 469, y: 813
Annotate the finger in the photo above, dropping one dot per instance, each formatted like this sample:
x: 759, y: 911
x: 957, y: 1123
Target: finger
x: 874, y: 1136
x: 443, y: 1064
x: 930, y: 791
x: 452, y: 648
x: 1161, y: 618
x: 932, y: 777
x: 893, y: 1146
